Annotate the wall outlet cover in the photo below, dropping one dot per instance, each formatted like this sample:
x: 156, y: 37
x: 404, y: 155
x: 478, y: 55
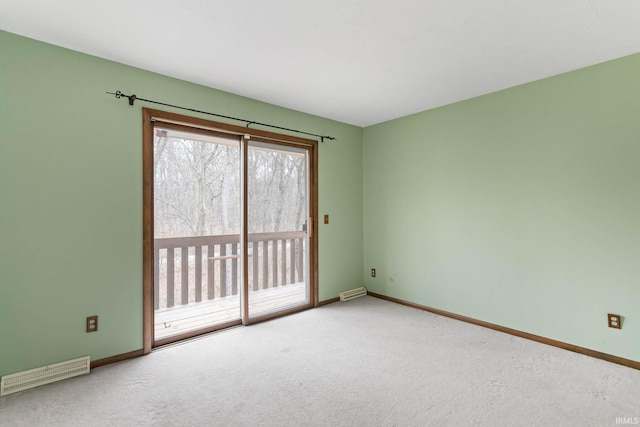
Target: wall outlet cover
x: 92, y: 323
x: 614, y: 320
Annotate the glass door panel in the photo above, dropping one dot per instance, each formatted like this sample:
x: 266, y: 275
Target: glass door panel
x: 278, y: 213
x: 196, y: 231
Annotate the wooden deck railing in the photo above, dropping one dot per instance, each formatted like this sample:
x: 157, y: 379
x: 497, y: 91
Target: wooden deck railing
x: 193, y: 269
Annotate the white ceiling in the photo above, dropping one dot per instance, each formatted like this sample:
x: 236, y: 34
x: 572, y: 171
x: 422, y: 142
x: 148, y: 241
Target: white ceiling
x: 356, y: 61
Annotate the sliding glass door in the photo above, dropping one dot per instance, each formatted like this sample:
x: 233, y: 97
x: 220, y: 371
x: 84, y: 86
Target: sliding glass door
x: 278, y: 219
x: 228, y: 221
x: 196, y: 230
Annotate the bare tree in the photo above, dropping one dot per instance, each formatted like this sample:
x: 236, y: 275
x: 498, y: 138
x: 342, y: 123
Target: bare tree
x: 197, y: 188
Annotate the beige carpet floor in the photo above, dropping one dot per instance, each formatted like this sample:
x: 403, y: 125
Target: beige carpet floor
x: 365, y: 362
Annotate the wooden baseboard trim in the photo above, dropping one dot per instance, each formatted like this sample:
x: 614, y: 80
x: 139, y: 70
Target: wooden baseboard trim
x: 548, y: 341
x: 118, y: 358
x: 328, y: 301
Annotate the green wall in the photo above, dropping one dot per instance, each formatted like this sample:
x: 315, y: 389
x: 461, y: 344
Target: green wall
x: 520, y: 208
x: 71, y: 199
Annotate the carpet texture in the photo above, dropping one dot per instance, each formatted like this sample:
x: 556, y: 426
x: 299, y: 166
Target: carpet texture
x: 366, y: 362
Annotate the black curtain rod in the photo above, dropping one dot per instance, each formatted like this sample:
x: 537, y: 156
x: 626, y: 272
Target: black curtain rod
x: 133, y: 98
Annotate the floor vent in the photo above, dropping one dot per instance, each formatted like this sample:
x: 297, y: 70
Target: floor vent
x: 47, y: 374
x: 352, y: 293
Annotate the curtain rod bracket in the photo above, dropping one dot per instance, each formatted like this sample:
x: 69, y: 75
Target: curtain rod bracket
x: 119, y: 94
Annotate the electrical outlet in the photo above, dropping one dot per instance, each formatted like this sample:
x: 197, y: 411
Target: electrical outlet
x: 92, y: 323
x: 373, y: 272
x: 614, y: 321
